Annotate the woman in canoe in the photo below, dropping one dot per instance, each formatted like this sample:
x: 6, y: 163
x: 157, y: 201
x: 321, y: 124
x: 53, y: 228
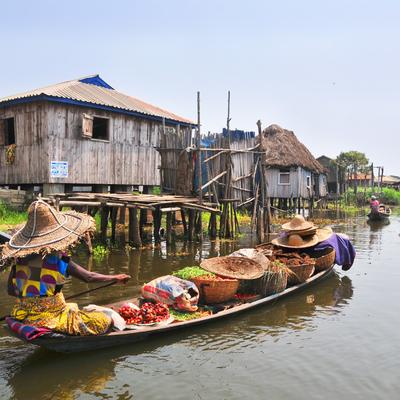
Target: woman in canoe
x: 40, y: 267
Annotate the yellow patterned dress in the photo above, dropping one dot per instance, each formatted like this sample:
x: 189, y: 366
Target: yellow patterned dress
x: 37, y: 283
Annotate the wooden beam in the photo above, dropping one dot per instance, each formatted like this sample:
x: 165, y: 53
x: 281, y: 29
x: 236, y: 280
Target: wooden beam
x: 213, y: 180
x: 215, y: 156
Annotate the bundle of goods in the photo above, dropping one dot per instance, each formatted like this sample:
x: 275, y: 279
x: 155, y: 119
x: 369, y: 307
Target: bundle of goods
x: 212, y: 287
x: 179, y: 293
x: 148, y: 314
x: 250, y: 288
x: 275, y: 278
x: 301, y: 264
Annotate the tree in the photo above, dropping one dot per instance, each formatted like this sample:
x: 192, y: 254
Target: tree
x: 352, y: 162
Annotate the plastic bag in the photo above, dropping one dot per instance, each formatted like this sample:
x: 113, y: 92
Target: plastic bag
x: 171, y: 290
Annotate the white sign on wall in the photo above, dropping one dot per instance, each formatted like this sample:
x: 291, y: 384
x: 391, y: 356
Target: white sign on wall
x: 59, y: 169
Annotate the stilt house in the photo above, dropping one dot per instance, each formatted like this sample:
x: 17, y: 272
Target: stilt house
x: 291, y: 170
x: 81, y: 133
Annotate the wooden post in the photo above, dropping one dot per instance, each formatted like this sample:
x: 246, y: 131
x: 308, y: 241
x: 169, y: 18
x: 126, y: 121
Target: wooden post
x: 134, y: 231
x: 191, y: 224
x: 169, y: 228
x: 114, y: 211
x: 213, y: 226
x: 184, y: 223
x: 157, y: 215
x: 104, y: 212
x: 199, y: 163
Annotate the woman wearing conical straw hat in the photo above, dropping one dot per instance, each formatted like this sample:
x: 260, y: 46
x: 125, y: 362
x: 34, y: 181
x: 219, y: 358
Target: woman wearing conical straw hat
x: 40, y: 268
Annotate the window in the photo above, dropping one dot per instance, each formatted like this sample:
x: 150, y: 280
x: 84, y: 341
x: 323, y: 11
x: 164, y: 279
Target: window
x: 8, y: 131
x: 284, y: 177
x: 100, y: 128
x: 308, y: 181
x: 95, y: 127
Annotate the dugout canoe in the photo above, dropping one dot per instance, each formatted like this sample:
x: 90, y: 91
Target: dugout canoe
x: 71, y: 344
x: 382, y: 215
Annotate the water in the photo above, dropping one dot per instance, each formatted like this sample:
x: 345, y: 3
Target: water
x: 338, y: 339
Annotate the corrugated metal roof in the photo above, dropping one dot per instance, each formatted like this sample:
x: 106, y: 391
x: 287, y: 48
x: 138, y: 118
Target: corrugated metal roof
x: 96, y: 94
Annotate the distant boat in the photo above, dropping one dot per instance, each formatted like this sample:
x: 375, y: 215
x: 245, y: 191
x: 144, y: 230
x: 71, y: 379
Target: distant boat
x: 382, y: 214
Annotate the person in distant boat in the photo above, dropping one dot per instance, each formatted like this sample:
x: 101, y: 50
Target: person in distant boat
x: 374, y: 204
x: 40, y: 267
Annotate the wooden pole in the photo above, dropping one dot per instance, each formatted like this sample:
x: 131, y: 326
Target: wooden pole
x: 169, y: 228
x: 114, y: 212
x: 199, y: 163
x: 157, y: 215
x: 134, y: 230
x: 104, y: 212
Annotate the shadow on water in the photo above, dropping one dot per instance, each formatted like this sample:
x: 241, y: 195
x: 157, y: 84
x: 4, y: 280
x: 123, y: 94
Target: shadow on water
x: 65, y: 375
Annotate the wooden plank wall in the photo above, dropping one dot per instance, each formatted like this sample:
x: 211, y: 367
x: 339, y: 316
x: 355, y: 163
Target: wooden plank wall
x: 242, y: 163
x: 171, y: 144
x: 31, y: 162
x: 127, y: 158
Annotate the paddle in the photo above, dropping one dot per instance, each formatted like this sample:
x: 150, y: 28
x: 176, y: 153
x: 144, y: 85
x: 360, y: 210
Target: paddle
x: 77, y: 295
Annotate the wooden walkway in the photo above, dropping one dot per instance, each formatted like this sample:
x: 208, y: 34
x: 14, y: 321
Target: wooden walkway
x: 114, y: 207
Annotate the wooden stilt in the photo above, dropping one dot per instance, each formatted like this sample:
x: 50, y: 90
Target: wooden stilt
x: 134, y: 231
x: 184, y: 223
x: 104, y: 212
x: 191, y: 225
x: 169, y: 228
x: 213, y: 226
x: 114, y: 211
x: 157, y: 215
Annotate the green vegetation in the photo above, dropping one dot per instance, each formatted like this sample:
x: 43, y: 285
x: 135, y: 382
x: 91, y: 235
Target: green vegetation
x: 156, y: 190
x: 188, y: 273
x: 10, y: 217
x: 100, y: 252
x: 387, y: 196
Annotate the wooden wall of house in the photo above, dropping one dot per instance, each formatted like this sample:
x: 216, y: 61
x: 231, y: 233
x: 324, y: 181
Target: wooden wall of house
x: 127, y: 158
x: 31, y: 157
x: 296, y: 188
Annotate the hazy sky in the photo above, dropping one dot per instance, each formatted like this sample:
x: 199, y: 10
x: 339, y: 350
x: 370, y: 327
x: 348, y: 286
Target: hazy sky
x: 328, y: 70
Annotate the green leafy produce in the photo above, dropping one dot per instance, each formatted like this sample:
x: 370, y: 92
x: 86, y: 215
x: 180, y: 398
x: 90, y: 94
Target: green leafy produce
x: 188, y: 273
x: 187, y: 316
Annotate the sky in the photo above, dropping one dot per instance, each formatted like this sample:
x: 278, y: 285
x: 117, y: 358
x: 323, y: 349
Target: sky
x: 327, y: 70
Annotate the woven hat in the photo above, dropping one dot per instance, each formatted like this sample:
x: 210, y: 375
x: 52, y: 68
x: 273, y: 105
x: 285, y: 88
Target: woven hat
x: 48, y: 230
x: 324, y: 233
x: 295, y: 241
x: 233, y: 267
x: 298, y: 223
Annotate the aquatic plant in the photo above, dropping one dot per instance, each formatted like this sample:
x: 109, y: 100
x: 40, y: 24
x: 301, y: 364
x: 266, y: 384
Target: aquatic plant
x: 100, y: 252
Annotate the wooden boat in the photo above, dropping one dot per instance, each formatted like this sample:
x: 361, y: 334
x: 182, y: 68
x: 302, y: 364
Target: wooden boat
x: 67, y: 344
x: 382, y: 214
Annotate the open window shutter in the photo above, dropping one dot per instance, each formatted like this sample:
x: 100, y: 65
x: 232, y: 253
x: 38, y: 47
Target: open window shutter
x: 2, y: 132
x: 87, y: 126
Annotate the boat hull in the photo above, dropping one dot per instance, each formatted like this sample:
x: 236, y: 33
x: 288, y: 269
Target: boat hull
x: 88, y: 343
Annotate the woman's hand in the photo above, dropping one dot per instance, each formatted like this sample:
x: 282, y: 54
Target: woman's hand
x: 122, y: 278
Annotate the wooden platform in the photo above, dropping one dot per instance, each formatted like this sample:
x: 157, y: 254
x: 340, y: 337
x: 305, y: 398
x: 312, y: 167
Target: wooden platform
x: 114, y: 206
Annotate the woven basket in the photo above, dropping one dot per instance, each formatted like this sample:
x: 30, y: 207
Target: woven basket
x: 216, y: 291
x: 324, y: 259
x: 301, y: 273
x: 273, y: 282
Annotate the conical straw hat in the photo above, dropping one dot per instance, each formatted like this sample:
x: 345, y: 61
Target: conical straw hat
x: 48, y: 230
x: 295, y: 241
x: 298, y: 223
x: 324, y: 233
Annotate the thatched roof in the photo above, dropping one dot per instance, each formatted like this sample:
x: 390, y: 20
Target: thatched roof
x: 284, y: 150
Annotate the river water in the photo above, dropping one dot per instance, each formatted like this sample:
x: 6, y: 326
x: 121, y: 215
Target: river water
x: 337, y: 340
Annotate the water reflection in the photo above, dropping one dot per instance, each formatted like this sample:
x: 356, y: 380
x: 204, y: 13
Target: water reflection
x: 68, y: 376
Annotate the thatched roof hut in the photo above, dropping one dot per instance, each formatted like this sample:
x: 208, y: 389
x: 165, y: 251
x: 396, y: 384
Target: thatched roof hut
x: 284, y: 150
